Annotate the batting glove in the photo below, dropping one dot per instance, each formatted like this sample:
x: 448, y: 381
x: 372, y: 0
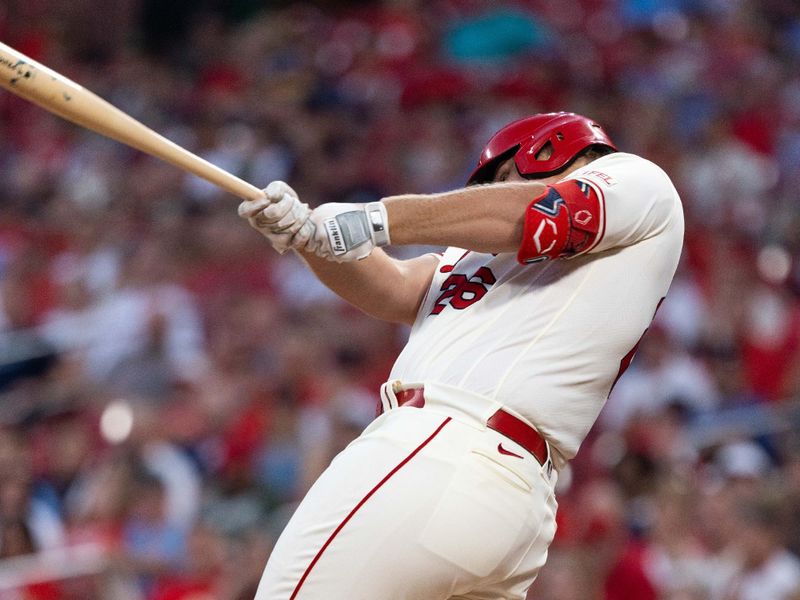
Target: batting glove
x: 347, y: 232
x: 279, y: 216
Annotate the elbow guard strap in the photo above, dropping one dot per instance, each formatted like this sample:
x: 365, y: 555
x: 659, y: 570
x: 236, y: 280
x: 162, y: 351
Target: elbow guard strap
x: 563, y: 221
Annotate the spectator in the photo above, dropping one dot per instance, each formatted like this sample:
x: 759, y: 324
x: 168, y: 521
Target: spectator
x: 767, y: 570
x: 125, y: 282
x: 152, y: 545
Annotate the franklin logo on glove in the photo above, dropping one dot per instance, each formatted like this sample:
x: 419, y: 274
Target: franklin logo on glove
x: 335, y: 236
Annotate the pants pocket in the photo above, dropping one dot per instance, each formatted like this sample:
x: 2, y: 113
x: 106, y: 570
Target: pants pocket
x: 504, y: 470
x: 480, y: 524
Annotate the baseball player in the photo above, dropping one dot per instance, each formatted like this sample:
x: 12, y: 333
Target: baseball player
x: 559, y: 251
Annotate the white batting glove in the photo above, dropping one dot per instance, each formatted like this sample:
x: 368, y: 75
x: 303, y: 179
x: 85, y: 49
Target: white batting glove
x: 279, y: 216
x: 347, y: 232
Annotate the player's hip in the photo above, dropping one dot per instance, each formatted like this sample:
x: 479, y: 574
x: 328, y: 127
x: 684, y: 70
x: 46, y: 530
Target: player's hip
x: 421, y: 490
x: 482, y: 429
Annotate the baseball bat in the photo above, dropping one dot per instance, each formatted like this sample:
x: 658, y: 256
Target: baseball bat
x: 61, y: 96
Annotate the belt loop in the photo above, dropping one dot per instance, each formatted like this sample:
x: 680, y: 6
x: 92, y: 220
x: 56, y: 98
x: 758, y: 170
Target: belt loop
x: 388, y: 397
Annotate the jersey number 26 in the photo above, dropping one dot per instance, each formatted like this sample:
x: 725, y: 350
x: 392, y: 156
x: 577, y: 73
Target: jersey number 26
x: 460, y: 291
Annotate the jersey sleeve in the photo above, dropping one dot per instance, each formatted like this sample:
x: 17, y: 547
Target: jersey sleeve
x: 615, y: 201
x: 636, y: 200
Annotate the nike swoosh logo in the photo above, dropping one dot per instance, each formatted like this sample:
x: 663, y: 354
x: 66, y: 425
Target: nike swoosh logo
x: 502, y: 450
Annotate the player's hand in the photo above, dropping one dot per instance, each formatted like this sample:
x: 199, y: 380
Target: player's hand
x: 279, y: 216
x: 347, y: 232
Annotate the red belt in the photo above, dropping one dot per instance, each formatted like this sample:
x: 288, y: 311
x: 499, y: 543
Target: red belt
x: 502, y: 422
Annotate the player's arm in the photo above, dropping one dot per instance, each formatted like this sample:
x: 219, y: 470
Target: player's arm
x: 627, y: 202
x: 622, y: 201
x: 486, y: 218
x: 381, y: 286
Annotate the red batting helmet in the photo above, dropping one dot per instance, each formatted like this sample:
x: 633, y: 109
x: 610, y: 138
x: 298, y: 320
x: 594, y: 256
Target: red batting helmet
x: 567, y: 133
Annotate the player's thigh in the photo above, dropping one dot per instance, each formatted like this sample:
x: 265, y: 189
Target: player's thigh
x: 354, y: 533
x: 411, y: 511
x: 495, y: 520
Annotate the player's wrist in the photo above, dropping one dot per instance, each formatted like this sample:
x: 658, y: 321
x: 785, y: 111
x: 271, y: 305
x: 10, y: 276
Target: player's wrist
x: 344, y: 232
x: 378, y: 223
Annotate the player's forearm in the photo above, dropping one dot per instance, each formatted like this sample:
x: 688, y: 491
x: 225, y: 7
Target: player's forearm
x: 379, y: 285
x: 487, y: 218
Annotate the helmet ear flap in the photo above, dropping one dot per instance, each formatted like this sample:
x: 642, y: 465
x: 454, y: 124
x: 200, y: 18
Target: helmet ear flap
x: 535, y: 158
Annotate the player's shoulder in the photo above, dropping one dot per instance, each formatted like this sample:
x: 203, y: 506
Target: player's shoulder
x: 626, y: 169
x: 619, y: 164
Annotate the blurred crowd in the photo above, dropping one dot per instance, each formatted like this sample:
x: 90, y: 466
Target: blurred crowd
x: 170, y: 387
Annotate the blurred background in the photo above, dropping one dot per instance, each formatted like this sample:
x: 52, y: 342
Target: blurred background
x: 170, y: 387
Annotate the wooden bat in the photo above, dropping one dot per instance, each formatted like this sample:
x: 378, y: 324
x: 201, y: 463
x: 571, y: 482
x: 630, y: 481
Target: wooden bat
x: 59, y: 95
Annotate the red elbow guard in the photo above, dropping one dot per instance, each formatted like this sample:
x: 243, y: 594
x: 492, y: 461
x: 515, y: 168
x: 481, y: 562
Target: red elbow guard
x: 563, y: 221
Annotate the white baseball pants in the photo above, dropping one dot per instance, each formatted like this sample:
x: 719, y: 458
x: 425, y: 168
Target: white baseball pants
x: 422, y: 506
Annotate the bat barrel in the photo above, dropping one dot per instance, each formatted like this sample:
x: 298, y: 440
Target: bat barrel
x: 59, y: 95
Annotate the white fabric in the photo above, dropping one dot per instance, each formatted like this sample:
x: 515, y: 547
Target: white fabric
x: 777, y: 579
x: 648, y: 390
x: 117, y: 328
x: 181, y: 481
x: 546, y: 339
x: 415, y: 535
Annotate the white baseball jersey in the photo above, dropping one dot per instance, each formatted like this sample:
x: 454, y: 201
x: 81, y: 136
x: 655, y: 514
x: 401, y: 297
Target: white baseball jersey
x: 549, y: 339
